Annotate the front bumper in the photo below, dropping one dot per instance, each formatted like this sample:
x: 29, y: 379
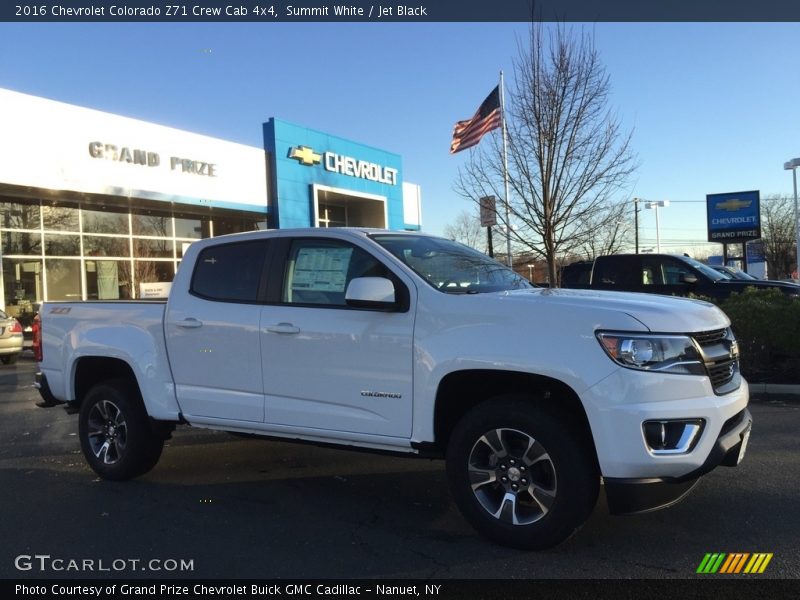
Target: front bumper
x: 636, y: 495
x: 618, y: 406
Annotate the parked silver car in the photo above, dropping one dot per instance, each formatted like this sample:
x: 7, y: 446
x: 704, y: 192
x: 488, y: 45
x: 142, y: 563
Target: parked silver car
x: 10, y: 339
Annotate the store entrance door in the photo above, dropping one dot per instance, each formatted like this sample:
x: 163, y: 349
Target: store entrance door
x: 343, y: 208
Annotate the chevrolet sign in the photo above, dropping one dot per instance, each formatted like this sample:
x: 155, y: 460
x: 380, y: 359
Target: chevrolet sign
x: 345, y: 165
x: 733, y: 218
x: 305, y: 155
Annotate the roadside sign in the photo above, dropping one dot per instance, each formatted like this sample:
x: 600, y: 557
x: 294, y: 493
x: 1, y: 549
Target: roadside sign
x: 734, y: 217
x: 488, y: 211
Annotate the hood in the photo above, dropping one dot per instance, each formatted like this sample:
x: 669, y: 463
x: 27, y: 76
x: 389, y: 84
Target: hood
x: 761, y: 284
x: 662, y: 314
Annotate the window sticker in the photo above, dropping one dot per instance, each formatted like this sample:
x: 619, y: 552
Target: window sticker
x: 321, y: 269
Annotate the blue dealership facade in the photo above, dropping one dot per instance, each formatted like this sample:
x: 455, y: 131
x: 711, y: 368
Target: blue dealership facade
x: 324, y: 180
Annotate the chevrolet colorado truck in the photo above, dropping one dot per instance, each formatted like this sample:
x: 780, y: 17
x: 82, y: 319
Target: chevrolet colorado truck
x: 411, y: 344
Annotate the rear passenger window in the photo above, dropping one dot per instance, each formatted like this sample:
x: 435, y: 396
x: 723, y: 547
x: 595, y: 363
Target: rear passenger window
x: 230, y: 272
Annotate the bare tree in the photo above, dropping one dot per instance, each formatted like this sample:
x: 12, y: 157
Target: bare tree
x: 466, y: 228
x: 700, y: 252
x: 605, y: 231
x: 568, y: 156
x: 778, y: 235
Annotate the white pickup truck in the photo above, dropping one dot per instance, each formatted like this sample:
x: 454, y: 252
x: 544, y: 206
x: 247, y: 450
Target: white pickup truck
x: 407, y: 343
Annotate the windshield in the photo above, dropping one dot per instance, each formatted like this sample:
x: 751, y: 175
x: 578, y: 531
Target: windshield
x: 709, y: 272
x: 723, y: 272
x: 451, y: 267
x: 739, y: 274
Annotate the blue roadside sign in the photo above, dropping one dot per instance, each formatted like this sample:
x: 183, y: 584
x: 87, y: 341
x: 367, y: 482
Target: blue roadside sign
x: 734, y: 217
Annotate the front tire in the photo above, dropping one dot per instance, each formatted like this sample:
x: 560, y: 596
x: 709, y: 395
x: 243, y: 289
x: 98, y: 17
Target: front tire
x: 522, y: 476
x: 115, y: 433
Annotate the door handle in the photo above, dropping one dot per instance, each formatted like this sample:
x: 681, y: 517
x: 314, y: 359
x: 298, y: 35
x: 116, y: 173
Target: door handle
x: 284, y: 328
x: 190, y: 323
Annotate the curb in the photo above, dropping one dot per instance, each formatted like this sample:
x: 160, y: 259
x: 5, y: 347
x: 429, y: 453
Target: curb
x: 774, y: 388
x: 775, y: 392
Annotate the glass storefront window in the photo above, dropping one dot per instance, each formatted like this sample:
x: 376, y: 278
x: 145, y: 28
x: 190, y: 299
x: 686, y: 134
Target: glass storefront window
x: 182, y: 247
x: 22, y: 285
x: 152, y: 271
x: 63, y: 279
x: 109, y: 249
x: 152, y: 248
x: 191, y: 228
x: 95, y: 245
x: 95, y: 221
x: 60, y: 218
x: 152, y: 224
x: 62, y: 245
x: 15, y: 215
x: 17, y: 242
x: 332, y: 215
x: 236, y: 225
x: 108, y: 280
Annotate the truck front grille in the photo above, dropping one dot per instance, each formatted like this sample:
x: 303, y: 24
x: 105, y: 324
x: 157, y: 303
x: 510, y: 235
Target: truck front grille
x: 720, y: 355
x: 708, y: 338
x: 722, y: 374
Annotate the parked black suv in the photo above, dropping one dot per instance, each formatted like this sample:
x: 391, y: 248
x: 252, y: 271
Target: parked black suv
x: 662, y: 274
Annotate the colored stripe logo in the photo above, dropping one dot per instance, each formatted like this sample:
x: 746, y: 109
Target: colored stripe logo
x: 734, y: 563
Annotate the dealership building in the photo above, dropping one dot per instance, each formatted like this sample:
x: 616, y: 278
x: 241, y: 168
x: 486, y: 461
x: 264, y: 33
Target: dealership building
x: 100, y: 206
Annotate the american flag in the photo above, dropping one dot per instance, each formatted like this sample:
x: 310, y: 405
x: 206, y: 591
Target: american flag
x: 468, y: 133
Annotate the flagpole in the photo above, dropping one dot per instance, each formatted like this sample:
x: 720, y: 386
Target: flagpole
x: 505, y: 169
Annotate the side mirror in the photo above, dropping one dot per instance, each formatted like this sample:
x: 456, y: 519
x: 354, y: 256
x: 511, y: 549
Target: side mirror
x: 688, y: 278
x: 371, y: 292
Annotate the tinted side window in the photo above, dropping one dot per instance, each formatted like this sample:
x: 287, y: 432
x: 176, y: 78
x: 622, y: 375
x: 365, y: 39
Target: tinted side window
x: 318, y: 271
x: 230, y: 272
x: 652, y: 272
x: 579, y: 273
x: 616, y: 271
x: 673, y: 269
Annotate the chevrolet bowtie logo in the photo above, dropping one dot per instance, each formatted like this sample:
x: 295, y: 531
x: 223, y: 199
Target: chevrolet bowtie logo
x: 733, y: 204
x: 305, y: 155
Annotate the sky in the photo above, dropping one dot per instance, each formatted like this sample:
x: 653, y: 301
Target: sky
x: 714, y: 107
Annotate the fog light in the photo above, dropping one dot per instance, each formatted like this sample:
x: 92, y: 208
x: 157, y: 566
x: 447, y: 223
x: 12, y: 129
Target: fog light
x: 672, y: 436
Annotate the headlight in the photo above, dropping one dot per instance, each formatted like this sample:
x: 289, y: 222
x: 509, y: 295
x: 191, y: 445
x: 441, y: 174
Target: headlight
x: 662, y: 353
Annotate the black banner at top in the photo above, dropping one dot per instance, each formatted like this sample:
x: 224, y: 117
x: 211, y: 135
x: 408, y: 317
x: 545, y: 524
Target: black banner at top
x: 377, y: 11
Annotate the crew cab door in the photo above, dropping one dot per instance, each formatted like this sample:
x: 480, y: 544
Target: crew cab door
x: 212, y: 334
x: 327, y: 365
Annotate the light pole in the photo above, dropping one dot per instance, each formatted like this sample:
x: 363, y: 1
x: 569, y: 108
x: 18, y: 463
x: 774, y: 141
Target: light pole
x: 792, y: 166
x: 655, y: 205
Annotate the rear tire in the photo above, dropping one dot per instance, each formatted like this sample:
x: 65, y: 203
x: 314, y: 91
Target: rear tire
x: 116, y: 437
x: 522, y: 475
x: 9, y: 359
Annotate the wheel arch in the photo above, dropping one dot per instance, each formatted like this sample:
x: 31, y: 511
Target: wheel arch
x: 460, y: 391
x: 88, y: 371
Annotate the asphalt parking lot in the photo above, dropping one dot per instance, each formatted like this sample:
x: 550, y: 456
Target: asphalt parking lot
x: 249, y: 508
